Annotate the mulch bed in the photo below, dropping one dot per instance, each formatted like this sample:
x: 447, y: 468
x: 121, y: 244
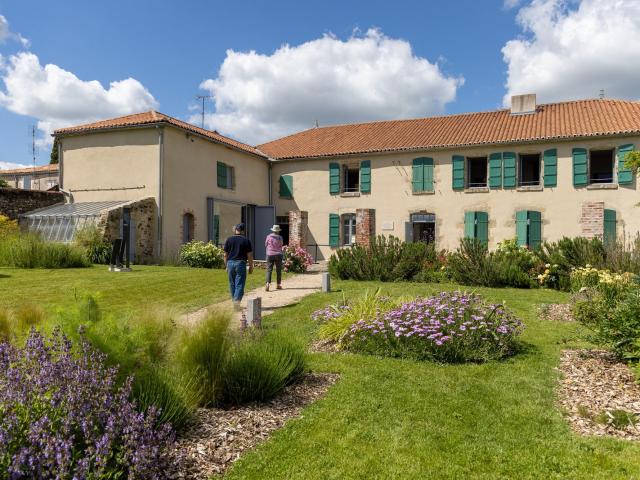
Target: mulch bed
x: 218, y: 437
x: 557, y: 312
x: 324, y: 346
x: 594, y: 386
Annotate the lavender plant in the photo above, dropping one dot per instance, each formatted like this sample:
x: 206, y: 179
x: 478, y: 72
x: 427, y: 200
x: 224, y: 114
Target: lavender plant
x: 450, y: 327
x: 63, y: 416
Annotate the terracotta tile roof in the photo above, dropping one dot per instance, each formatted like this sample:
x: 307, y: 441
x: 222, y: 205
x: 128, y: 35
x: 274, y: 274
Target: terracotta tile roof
x: 51, y: 169
x: 153, y: 118
x: 583, y: 118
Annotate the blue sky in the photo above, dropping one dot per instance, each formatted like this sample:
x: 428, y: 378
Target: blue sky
x: 171, y: 48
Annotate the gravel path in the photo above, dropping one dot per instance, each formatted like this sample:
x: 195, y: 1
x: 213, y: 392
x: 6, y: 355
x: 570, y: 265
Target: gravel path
x: 294, y: 289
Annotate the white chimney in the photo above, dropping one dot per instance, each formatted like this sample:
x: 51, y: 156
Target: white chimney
x: 523, y: 104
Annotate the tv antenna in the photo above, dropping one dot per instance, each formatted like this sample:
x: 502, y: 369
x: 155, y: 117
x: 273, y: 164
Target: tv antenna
x: 203, y: 98
x: 33, y: 150
x: 601, y: 93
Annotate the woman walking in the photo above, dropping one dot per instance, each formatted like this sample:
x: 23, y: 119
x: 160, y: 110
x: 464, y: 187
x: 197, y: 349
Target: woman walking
x: 273, y: 243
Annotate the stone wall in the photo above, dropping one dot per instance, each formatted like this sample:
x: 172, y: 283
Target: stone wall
x: 143, y: 217
x: 365, y: 226
x: 592, y: 220
x: 298, y: 228
x: 15, y: 202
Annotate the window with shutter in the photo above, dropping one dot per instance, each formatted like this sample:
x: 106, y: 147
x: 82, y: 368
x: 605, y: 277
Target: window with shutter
x: 334, y: 229
x: 509, y: 169
x: 550, y: 167
x: 521, y: 228
x: 495, y: 170
x: 222, y: 175
x: 286, y: 186
x: 482, y: 227
x: 365, y: 176
x: 610, y: 221
x: 535, y: 229
x: 469, y: 224
x: 457, y: 163
x: 334, y: 178
x: 422, y: 175
x: 579, y: 167
x: 625, y: 175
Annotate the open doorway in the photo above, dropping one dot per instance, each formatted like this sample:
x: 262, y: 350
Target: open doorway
x: 423, y: 227
x: 283, y: 222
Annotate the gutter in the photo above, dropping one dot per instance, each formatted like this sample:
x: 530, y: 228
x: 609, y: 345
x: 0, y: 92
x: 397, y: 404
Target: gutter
x: 270, y: 180
x: 160, y: 187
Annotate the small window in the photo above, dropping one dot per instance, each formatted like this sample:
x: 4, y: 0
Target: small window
x: 226, y: 176
x: 351, y: 178
x: 348, y: 229
x: 477, y: 167
x: 601, y: 166
x: 529, y: 174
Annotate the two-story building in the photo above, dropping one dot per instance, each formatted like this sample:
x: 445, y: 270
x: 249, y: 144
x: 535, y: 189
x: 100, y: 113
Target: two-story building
x: 43, y: 177
x: 535, y: 172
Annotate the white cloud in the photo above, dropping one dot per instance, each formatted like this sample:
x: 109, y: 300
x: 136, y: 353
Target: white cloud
x: 6, y: 34
x: 509, y: 4
x: 573, y: 49
x: 10, y: 165
x: 57, y: 98
x: 367, y: 77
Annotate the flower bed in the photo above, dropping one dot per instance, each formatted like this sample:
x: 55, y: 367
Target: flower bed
x: 62, y: 416
x: 296, y: 259
x: 450, y: 327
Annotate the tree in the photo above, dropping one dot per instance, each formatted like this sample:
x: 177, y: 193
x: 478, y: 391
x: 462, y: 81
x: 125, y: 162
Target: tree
x: 632, y: 161
x: 3, y: 183
x: 54, y: 151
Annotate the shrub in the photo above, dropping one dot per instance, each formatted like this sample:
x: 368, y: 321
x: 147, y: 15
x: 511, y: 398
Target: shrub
x: 201, y: 255
x: 30, y: 251
x: 202, y: 352
x: 91, y: 239
x: 296, y: 259
x: 622, y: 256
x: 259, y: 367
x: 603, y: 280
x: 337, y: 319
x: 471, y: 264
x: 387, y: 259
x: 613, y: 317
x: 450, y: 327
x: 8, y: 226
x: 73, y: 422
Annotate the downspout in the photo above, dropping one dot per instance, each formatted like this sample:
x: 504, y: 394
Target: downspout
x: 270, y: 182
x: 68, y: 196
x: 160, y: 186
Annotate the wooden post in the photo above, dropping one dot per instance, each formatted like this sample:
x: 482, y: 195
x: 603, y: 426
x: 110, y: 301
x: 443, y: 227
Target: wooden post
x: 326, y: 282
x: 254, y: 312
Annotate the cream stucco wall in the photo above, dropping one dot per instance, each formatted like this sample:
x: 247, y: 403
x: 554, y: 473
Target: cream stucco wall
x: 190, y: 174
x: 393, y: 200
x: 114, y: 165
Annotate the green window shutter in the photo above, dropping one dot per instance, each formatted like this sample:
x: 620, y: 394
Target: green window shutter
x: 334, y: 229
x: 495, y: 170
x: 428, y: 174
x: 457, y: 163
x: 610, y: 235
x: 579, y: 167
x: 365, y: 176
x: 222, y: 175
x: 550, y: 158
x: 417, y: 175
x: 535, y: 229
x: 469, y: 224
x: 482, y: 227
x: 521, y: 227
x: 286, y: 186
x: 334, y: 178
x: 509, y: 169
x: 625, y: 175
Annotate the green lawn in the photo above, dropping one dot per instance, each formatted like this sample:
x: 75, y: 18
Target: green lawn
x: 388, y: 419
x: 179, y: 288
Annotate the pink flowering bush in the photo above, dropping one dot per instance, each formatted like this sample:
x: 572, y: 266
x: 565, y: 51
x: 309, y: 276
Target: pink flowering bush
x: 450, y: 327
x: 296, y: 259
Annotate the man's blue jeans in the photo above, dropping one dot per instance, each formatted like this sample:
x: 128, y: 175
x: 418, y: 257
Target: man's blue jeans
x: 237, y: 271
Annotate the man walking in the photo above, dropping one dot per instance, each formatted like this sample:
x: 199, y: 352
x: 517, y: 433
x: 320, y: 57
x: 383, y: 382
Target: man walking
x: 237, y: 253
